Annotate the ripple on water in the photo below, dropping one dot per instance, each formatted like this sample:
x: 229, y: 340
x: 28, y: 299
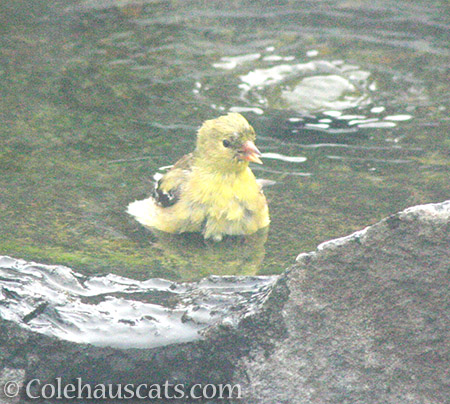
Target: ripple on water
x: 326, y: 89
x: 307, y: 87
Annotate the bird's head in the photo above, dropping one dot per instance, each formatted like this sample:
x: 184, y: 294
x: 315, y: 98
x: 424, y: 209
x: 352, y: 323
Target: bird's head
x: 227, y: 142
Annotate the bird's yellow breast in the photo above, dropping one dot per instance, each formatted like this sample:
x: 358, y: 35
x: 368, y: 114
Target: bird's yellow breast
x: 226, y: 203
x: 219, y: 190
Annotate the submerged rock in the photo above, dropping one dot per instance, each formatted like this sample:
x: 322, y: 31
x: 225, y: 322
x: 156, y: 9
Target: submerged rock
x: 309, y: 87
x: 323, y: 92
x: 364, y: 319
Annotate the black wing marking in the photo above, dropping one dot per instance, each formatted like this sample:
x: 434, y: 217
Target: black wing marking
x: 165, y: 198
x: 168, y: 189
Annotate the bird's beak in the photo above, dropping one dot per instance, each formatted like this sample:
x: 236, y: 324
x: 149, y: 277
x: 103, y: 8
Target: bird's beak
x: 249, y: 152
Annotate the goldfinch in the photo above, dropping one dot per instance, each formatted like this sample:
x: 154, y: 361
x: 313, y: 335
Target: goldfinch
x: 212, y: 190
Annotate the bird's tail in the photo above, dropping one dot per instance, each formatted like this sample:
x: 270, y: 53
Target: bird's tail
x: 144, y: 211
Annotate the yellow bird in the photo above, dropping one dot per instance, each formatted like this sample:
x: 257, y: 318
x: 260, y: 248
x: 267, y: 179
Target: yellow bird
x: 212, y: 190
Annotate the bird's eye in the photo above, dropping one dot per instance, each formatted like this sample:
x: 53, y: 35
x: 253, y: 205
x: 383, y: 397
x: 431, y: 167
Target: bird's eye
x: 226, y: 143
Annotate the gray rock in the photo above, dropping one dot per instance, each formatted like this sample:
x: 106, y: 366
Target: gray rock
x: 364, y: 319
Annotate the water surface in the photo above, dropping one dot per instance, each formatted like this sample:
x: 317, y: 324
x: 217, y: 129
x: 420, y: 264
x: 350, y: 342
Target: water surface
x: 349, y: 100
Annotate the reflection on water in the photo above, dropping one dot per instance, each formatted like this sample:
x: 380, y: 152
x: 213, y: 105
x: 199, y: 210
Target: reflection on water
x: 233, y: 256
x: 348, y: 100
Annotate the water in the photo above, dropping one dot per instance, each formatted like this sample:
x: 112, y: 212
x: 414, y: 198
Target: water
x: 115, y: 311
x: 349, y: 100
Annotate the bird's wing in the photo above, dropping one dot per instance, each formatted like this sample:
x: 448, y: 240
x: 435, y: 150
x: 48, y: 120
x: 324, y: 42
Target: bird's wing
x: 168, y: 188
